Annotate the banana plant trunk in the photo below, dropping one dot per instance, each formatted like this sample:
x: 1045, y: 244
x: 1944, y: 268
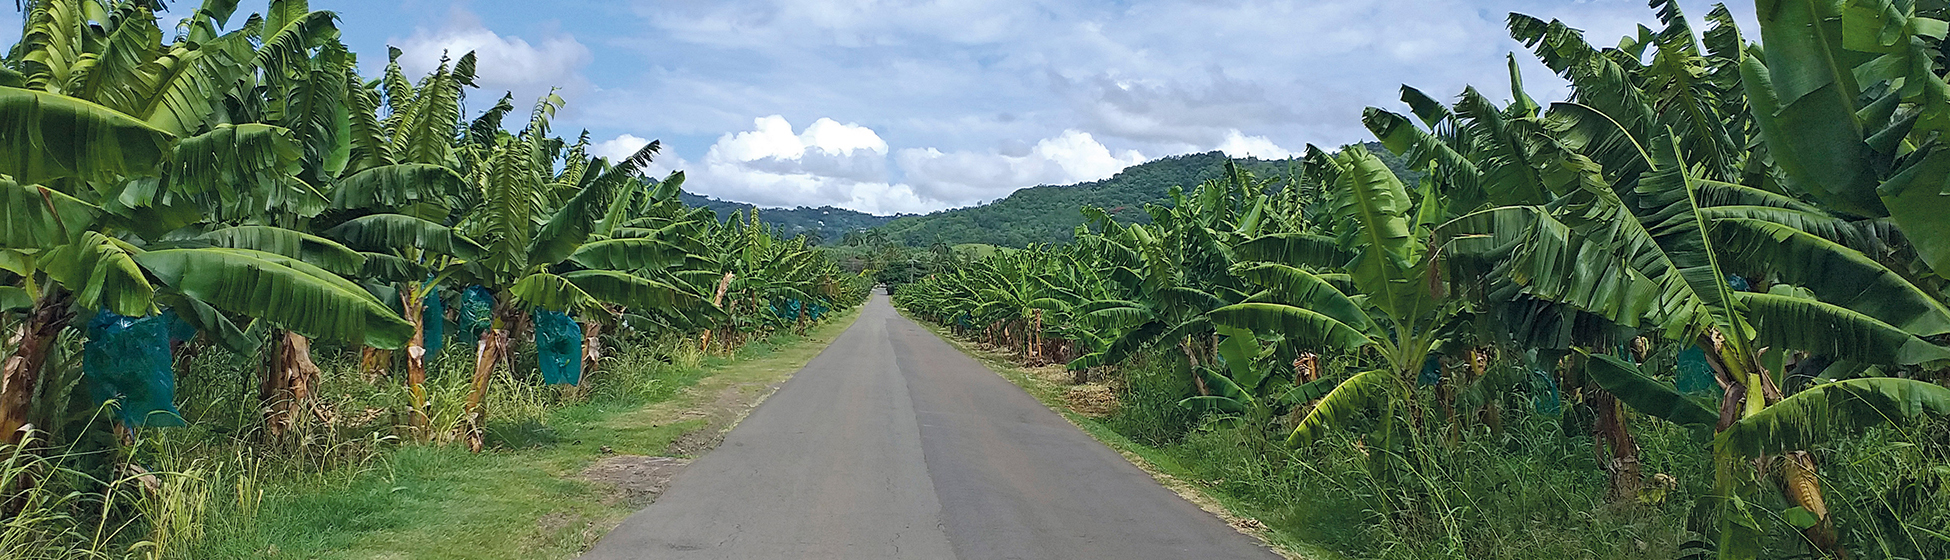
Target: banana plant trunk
x: 414, y: 306
x: 1617, y: 452
x: 289, y: 382
x: 800, y: 324
x: 1036, y: 339
x: 489, y: 351
x: 1749, y: 391
x: 374, y: 363
x: 704, y: 345
x: 592, y: 347
x: 492, y: 348
x: 32, y: 342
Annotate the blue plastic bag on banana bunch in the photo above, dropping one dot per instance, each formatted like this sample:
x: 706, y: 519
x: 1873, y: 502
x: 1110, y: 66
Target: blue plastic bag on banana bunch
x: 127, y: 359
x: 558, y: 345
x: 434, y: 320
x: 476, y: 311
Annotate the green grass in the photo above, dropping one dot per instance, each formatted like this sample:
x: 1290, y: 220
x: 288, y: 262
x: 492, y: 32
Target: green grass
x: 1530, y: 491
x: 521, y: 499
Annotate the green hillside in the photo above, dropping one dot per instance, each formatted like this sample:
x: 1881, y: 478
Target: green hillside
x: 1040, y: 214
x: 826, y: 224
x: 1048, y: 214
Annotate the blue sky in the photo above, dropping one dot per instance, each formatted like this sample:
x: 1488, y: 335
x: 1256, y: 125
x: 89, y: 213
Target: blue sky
x: 916, y: 105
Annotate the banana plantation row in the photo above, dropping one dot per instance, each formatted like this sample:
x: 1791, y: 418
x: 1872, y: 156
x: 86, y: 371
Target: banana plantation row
x: 1749, y: 237
x: 240, y: 186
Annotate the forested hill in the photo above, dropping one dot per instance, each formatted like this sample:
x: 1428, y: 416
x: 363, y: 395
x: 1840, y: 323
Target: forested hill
x: 1040, y: 214
x: 1049, y: 213
x: 826, y: 224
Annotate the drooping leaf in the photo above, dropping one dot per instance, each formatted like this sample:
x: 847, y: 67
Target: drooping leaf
x: 1830, y: 330
x: 301, y: 297
x: 1296, y: 249
x: 1295, y: 287
x: 1362, y: 393
x: 45, y: 136
x: 396, y: 185
x: 1645, y: 394
x: 633, y: 291
x: 15, y: 299
x: 1807, y: 419
x: 102, y: 273
x: 393, y: 232
x: 321, y: 252
x: 1303, y: 327
x: 36, y: 217
x: 628, y: 254
x: 1836, y: 274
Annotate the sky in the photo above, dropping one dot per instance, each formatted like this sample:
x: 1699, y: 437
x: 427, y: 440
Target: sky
x: 907, y: 106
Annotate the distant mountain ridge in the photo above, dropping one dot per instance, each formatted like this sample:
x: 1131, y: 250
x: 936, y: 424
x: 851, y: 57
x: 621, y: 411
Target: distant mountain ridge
x: 1049, y: 213
x: 1039, y: 214
x: 826, y: 224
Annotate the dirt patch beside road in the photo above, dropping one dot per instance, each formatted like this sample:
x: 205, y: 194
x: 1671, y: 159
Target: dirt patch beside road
x: 636, y: 480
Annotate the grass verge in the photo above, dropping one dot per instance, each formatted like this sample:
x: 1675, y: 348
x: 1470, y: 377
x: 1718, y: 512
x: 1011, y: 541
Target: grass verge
x: 527, y: 499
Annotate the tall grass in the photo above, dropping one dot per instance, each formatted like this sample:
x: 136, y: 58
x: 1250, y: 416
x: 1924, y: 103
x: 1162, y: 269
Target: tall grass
x: 158, y: 493
x: 1531, y: 490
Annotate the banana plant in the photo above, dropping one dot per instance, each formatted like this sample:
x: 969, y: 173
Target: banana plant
x: 555, y: 266
x: 67, y: 251
x: 1245, y: 387
x: 1166, y: 277
x: 1674, y: 261
x: 1396, y: 312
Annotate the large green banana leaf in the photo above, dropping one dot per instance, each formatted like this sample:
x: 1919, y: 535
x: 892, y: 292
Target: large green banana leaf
x: 587, y: 290
x: 1292, y: 286
x: 394, y: 186
x: 1806, y: 107
x: 1362, y: 393
x: 1834, y: 331
x: 1815, y: 416
x: 1836, y: 274
x: 571, y: 224
x: 393, y: 232
x: 102, y: 273
x: 1645, y: 394
x: 37, y: 217
x: 634, y: 253
x: 298, y: 296
x: 1300, y: 326
x: 321, y: 252
x: 1374, y: 206
x: 46, y: 136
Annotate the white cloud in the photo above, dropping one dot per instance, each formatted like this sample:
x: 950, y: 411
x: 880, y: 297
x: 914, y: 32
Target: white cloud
x: 1240, y: 145
x: 963, y: 178
x: 970, y: 99
x: 848, y: 165
x: 618, y: 148
x: 506, y: 63
x: 828, y: 163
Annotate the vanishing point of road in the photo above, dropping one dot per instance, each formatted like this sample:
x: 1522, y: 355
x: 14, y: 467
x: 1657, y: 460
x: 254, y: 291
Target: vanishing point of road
x: 892, y: 444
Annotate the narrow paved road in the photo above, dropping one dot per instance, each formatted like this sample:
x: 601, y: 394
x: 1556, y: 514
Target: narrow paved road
x: 892, y: 444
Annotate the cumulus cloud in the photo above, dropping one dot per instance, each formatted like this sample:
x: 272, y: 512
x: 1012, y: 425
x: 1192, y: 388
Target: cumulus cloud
x: 970, y: 99
x: 1240, y: 145
x: 827, y: 163
x: 506, y: 63
x: 850, y: 166
x: 963, y: 177
x: 618, y: 148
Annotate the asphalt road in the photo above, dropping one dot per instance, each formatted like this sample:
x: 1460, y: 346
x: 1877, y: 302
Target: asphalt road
x: 892, y: 444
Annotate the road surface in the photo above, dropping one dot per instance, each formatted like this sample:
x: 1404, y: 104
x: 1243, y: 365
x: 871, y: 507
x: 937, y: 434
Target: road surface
x: 893, y: 444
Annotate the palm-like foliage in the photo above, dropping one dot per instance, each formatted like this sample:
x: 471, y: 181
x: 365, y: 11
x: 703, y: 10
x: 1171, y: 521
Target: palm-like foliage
x: 1780, y: 209
x: 250, y: 173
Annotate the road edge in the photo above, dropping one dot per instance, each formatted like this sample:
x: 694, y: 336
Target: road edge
x: 1170, y: 476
